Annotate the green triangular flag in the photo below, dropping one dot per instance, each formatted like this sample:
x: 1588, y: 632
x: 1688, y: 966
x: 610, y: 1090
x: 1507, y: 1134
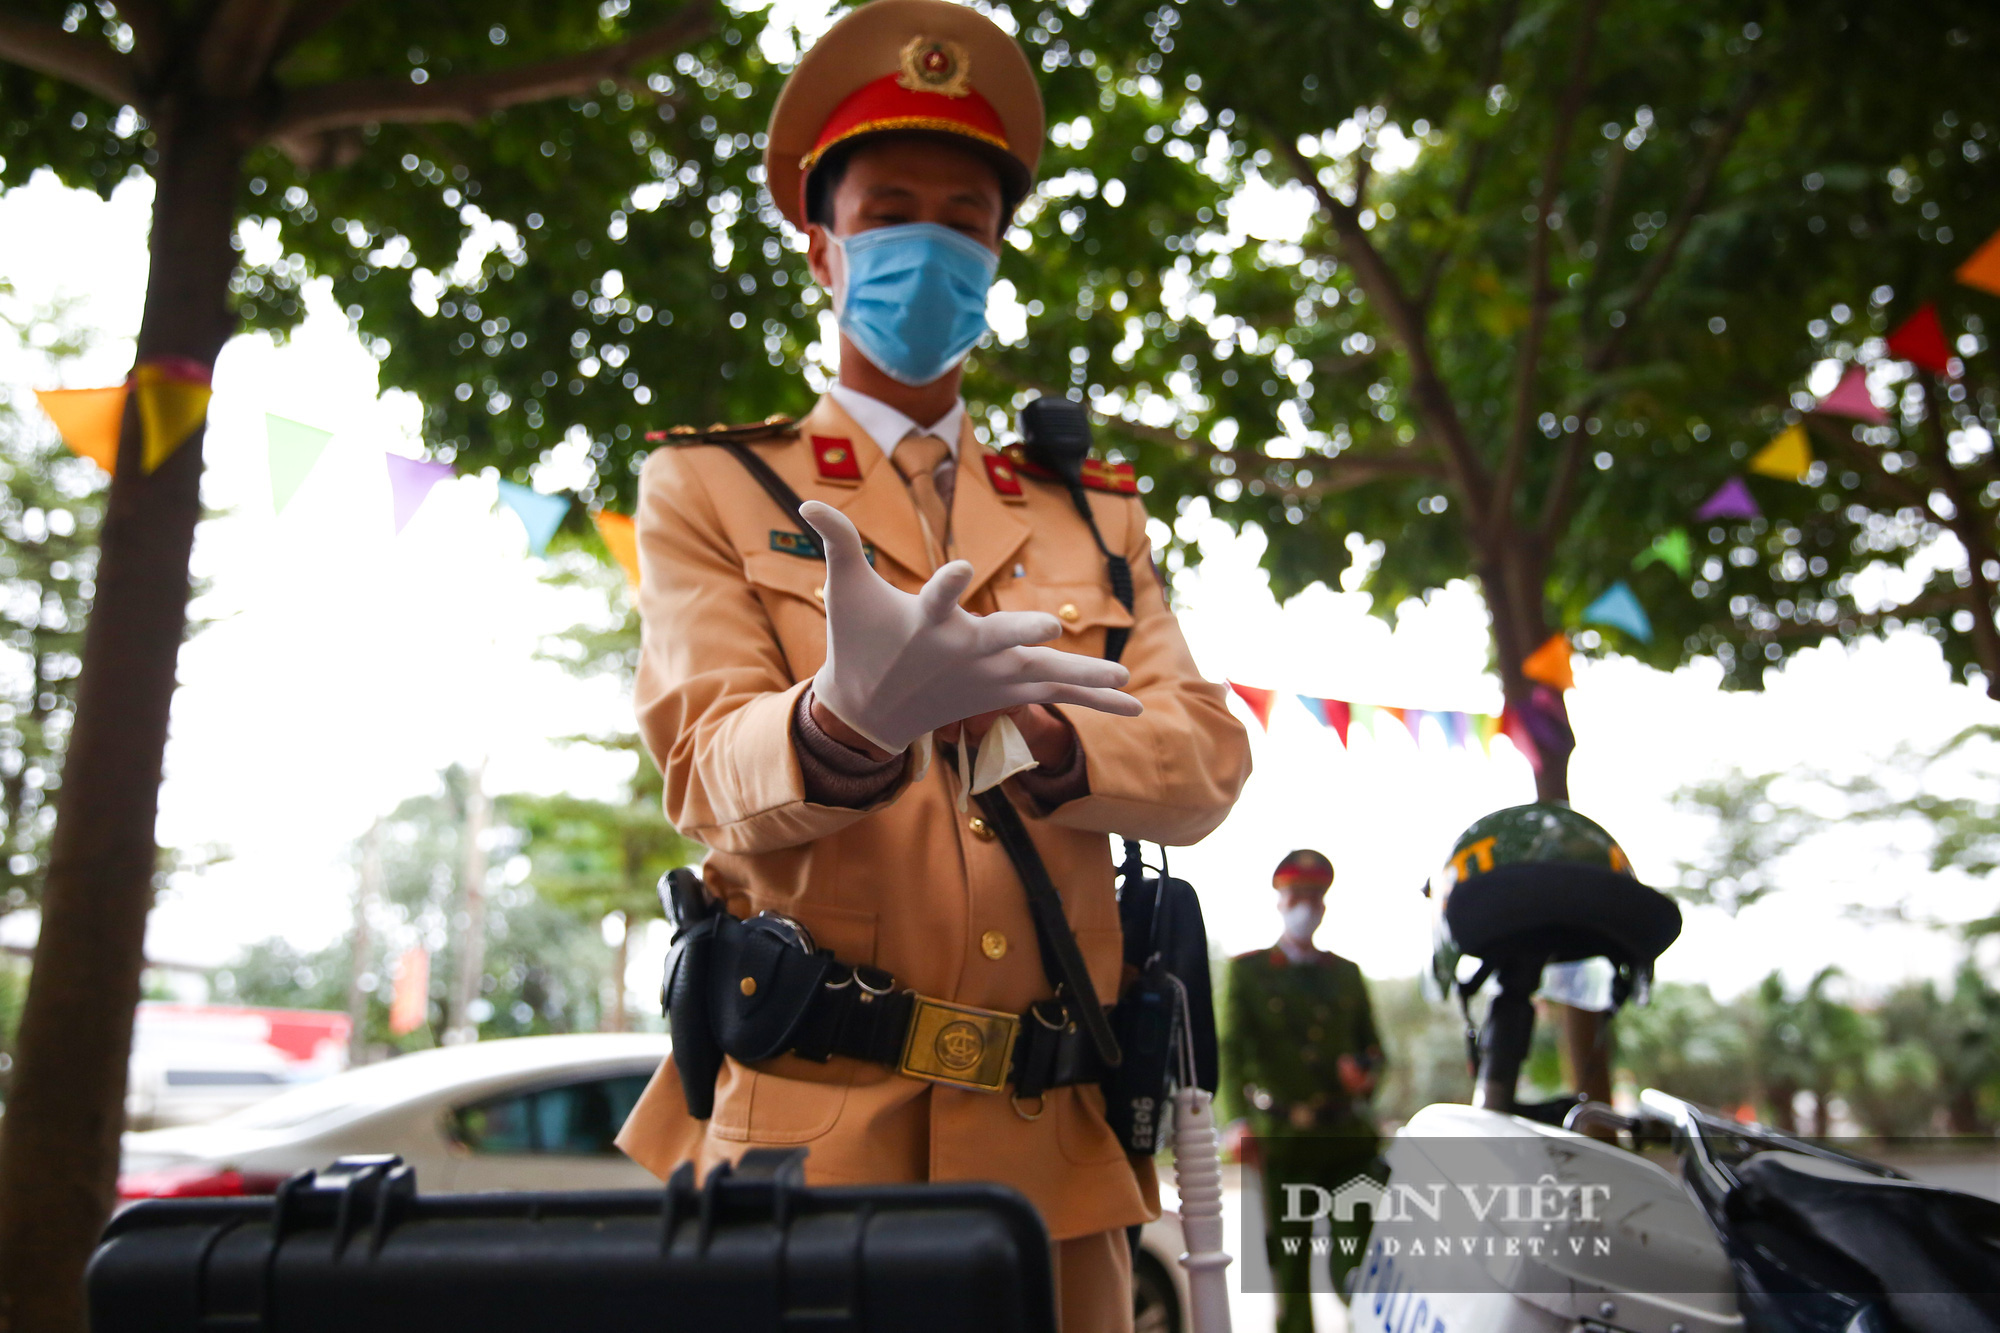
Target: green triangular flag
x: 295, y: 448
x: 1674, y: 551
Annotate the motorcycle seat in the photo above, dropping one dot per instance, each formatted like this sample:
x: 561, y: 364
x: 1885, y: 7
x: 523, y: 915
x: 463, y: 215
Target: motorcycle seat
x: 1933, y: 1252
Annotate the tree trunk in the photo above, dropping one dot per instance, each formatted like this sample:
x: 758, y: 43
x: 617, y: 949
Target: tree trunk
x: 460, y: 1025
x: 59, y: 1156
x: 365, y: 894
x: 614, y: 1016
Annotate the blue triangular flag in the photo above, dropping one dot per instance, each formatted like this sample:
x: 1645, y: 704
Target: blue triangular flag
x: 1618, y: 608
x: 540, y: 514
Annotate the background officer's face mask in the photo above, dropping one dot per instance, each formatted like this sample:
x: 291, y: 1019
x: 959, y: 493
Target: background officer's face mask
x: 913, y: 297
x: 1302, y: 919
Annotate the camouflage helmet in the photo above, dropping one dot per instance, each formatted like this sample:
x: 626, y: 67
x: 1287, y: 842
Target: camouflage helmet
x: 1542, y: 879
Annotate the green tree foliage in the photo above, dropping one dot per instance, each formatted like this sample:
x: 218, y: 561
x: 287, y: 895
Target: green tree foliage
x: 1557, y: 286
x: 51, y: 503
x: 1941, y: 796
x: 1686, y: 1042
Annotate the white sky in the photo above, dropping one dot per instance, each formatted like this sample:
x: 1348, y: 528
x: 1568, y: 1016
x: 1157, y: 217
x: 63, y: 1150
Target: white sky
x: 347, y: 666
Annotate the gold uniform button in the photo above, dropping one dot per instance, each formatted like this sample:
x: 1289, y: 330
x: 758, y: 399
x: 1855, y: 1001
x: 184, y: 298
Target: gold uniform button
x: 1068, y: 613
x: 820, y: 592
x: 993, y: 944
x: 748, y: 985
x: 979, y: 829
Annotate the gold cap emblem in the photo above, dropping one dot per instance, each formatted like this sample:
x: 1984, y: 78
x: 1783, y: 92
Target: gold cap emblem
x: 936, y: 65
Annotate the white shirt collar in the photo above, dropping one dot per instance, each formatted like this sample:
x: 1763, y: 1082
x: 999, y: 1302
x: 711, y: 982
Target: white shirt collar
x: 887, y: 426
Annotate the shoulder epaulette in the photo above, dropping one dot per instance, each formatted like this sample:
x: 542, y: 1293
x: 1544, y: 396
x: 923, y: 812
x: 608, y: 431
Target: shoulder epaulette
x: 1098, y: 475
x: 770, y: 428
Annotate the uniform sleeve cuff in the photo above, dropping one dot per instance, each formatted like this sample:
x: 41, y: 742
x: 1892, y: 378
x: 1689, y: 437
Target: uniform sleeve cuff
x: 837, y: 774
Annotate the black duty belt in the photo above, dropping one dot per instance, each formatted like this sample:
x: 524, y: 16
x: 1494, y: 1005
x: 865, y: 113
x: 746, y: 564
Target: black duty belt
x: 859, y: 1012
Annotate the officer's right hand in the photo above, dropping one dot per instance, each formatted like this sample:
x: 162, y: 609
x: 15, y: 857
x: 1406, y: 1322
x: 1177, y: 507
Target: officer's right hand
x: 900, y: 666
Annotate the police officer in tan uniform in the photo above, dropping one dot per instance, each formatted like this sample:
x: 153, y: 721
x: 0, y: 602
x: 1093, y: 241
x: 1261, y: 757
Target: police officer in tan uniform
x: 820, y: 695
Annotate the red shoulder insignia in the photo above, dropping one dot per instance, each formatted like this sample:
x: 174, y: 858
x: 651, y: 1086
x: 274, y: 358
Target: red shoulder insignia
x: 1118, y: 478
x: 1000, y: 471
x: 1098, y: 475
x: 836, y: 459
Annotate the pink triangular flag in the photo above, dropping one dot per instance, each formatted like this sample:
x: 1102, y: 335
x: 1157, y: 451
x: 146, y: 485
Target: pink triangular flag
x: 1731, y: 500
x: 1850, y: 399
x: 410, y: 480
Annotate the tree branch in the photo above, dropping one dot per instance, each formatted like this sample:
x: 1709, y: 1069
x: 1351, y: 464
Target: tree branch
x: 1475, y: 166
x: 1433, y: 404
x: 1684, y: 215
x: 239, y: 43
x: 470, y: 98
x: 1528, y: 362
x: 49, y: 50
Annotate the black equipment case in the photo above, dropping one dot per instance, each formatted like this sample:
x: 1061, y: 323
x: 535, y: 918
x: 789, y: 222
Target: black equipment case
x: 355, y: 1247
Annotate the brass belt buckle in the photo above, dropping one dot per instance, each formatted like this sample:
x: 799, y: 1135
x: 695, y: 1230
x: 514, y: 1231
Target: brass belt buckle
x: 959, y: 1045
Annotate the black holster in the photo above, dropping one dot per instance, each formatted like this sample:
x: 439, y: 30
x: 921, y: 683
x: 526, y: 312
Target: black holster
x: 735, y: 988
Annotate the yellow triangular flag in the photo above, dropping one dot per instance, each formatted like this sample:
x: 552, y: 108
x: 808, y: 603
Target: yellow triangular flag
x: 621, y: 539
x: 89, y: 420
x: 1982, y: 270
x: 171, y: 407
x: 1788, y: 456
x: 1549, y: 664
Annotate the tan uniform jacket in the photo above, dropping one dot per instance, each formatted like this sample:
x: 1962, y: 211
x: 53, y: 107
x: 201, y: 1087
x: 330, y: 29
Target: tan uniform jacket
x: 734, y: 631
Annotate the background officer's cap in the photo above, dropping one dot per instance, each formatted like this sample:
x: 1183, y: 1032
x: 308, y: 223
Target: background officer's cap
x: 1303, y: 869
x: 898, y: 66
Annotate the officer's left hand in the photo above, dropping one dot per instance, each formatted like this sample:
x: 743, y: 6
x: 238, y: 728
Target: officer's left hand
x: 1358, y: 1080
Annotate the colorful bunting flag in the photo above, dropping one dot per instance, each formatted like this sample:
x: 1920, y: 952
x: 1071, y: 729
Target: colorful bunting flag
x: 173, y: 402
x: 540, y: 514
x: 1982, y: 269
x: 1674, y: 551
x: 88, y: 420
x: 410, y: 482
x: 1259, y: 701
x: 1920, y: 341
x: 1515, y: 730
x: 1549, y: 664
x: 1363, y: 716
x: 1329, y: 713
x: 1457, y: 728
x: 294, y: 450
x: 1619, y: 607
x: 1731, y: 500
x: 1487, y: 725
x: 1413, y: 720
x: 621, y: 538
x: 1788, y: 456
x: 1850, y: 399
x: 1396, y: 713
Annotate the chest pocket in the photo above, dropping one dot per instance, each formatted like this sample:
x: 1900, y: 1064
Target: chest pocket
x: 1086, y: 610
x: 790, y: 587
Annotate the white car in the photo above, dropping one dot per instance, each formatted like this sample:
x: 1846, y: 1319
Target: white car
x: 530, y: 1113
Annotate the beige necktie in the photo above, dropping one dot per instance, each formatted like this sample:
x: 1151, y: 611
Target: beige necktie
x: 924, y: 461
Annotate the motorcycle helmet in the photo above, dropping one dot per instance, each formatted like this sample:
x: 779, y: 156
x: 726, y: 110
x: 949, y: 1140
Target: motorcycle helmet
x: 1542, y: 881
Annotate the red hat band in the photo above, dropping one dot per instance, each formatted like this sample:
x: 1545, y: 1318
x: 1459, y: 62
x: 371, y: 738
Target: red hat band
x: 886, y: 104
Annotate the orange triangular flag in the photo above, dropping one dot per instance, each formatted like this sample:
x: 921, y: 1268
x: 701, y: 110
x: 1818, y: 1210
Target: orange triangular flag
x: 1982, y: 270
x: 621, y: 539
x: 172, y: 404
x: 1788, y: 456
x: 1549, y: 664
x: 1260, y: 702
x: 89, y: 420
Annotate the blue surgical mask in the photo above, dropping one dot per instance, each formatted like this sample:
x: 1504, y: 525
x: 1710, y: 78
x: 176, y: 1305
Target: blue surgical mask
x: 913, y: 297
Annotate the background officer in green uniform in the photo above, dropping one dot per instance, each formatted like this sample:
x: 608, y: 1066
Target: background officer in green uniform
x: 1299, y: 1059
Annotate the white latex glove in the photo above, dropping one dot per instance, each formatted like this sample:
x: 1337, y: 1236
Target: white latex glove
x: 900, y: 666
